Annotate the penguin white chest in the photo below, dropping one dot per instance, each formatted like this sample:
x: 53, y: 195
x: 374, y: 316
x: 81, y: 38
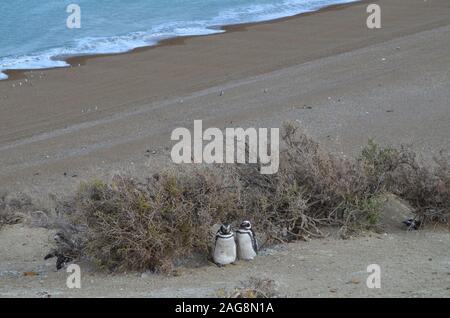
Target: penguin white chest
x: 225, y: 250
x: 245, y: 246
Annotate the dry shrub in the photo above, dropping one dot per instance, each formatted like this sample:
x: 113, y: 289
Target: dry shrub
x: 13, y: 209
x: 399, y: 171
x: 134, y: 225
x: 21, y: 208
x: 337, y: 190
x: 131, y: 225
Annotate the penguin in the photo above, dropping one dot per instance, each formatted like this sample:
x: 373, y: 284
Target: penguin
x: 63, y: 252
x: 412, y: 224
x: 225, y: 246
x: 246, y: 240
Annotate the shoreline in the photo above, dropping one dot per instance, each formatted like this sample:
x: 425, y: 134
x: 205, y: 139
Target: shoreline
x: 81, y: 60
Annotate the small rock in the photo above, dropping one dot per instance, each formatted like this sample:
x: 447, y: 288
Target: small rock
x: 333, y: 290
x: 354, y: 280
x: 30, y: 274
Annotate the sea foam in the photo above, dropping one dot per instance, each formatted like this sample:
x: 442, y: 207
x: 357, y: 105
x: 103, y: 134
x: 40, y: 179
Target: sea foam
x: 185, y: 18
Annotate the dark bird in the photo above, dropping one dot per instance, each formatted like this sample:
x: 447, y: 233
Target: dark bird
x: 63, y: 252
x: 412, y: 224
x: 61, y: 260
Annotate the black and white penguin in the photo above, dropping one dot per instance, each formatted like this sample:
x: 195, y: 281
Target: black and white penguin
x: 225, y: 246
x: 412, y: 224
x: 246, y: 240
x: 63, y: 252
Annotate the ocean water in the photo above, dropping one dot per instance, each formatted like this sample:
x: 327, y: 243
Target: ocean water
x: 34, y: 34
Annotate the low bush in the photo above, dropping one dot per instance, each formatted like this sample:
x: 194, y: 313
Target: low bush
x: 135, y: 225
x: 426, y: 188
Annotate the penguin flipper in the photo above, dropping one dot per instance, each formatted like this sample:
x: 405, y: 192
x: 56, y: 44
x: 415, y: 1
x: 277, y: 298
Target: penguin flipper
x: 254, y: 242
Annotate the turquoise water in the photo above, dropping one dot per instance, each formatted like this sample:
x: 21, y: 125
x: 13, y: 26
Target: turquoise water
x: 34, y: 34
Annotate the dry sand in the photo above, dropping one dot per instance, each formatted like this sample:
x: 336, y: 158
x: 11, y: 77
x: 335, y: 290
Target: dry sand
x: 116, y: 113
x: 413, y: 264
x: 103, y: 116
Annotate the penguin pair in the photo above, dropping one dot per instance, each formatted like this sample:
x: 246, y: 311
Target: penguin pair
x: 225, y: 247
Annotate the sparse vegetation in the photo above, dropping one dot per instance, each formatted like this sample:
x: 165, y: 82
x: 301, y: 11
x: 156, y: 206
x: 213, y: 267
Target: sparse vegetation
x: 131, y: 224
x: 134, y: 225
x: 398, y: 171
x: 12, y: 209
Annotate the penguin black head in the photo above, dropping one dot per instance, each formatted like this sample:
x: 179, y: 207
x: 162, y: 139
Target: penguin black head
x: 225, y: 229
x: 246, y: 225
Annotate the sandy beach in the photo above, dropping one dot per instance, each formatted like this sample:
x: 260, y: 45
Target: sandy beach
x: 340, y: 81
x: 103, y: 116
